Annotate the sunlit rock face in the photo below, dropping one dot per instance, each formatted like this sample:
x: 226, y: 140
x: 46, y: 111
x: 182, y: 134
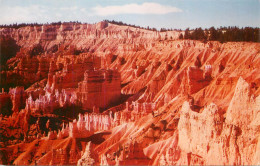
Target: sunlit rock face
x: 84, y: 35
x: 106, y: 94
x: 207, y: 136
x: 18, y: 96
x: 99, y: 88
x: 86, y: 125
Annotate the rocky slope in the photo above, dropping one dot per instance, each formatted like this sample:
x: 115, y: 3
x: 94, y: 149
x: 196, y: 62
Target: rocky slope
x: 182, y: 102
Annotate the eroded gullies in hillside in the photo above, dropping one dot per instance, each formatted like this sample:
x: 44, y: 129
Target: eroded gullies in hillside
x: 109, y: 94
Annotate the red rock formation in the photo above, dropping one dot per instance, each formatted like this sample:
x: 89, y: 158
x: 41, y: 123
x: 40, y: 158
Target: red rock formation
x: 51, y: 101
x: 18, y: 97
x: 100, y: 88
x: 190, y: 124
x: 205, y: 114
x: 220, y: 142
x: 89, y: 157
x: 87, y: 34
x: 5, y: 102
x: 243, y: 99
x: 85, y: 126
x: 72, y: 72
x: 196, y: 79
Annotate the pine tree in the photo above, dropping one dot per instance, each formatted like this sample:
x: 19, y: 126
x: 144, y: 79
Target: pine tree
x: 187, y: 34
x: 213, y: 33
x: 181, y: 36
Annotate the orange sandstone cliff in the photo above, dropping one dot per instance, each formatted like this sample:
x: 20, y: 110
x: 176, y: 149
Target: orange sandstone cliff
x: 105, y: 94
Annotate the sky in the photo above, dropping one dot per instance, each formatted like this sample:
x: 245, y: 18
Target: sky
x: 176, y: 14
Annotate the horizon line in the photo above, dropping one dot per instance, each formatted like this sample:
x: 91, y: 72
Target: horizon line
x: 124, y: 24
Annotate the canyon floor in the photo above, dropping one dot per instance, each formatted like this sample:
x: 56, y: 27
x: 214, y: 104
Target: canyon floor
x: 104, y: 94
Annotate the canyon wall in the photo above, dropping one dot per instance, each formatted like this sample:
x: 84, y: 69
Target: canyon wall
x: 165, y: 101
x: 99, y: 88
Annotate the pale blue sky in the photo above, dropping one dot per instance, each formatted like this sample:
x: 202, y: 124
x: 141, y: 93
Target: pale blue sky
x: 153, y: 13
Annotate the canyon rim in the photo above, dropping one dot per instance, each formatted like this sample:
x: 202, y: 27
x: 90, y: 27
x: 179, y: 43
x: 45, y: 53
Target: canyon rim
x: 112, y: 93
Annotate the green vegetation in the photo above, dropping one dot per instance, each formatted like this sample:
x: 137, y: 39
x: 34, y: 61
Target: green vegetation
x: 223, y: 34
x: 17, y: 26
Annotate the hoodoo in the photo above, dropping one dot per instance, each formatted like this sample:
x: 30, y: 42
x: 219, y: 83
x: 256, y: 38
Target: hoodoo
x: 99, y: 88
x: 108, y: 94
